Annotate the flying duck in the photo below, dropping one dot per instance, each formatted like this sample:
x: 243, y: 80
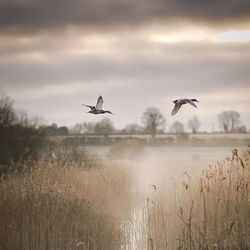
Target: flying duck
x: 179, y: 102
x: 97, y: 109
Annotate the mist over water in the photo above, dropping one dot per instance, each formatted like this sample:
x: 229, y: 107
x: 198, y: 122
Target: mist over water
x: 177, y: 152
x: 157, y: 178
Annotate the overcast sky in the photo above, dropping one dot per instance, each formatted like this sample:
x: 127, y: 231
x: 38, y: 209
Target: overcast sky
x: 57, y: 54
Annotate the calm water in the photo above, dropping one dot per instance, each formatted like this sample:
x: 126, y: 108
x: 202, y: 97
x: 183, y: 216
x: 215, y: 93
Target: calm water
x: 178, y: 153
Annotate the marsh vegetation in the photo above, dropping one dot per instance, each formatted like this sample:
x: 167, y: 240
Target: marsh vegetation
x: 63, y: 204
x: 73, y: 199
x: 204, y: 207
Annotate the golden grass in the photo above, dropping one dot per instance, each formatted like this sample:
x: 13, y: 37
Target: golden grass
x: 71, y: 200
x: 210, y: 211
x: 50, y: 206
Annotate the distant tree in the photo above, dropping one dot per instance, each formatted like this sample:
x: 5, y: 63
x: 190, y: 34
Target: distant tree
x: 194, y: 124
x: 177, y: 127
x: 52, y: 129
x: 153, y: 121
x: 18, y: 139
x: 132, y: 128
x: 54, y: 126
x: 89, y: 127
x: 240, y: 129
x: 63, y: 130
x: 32, y: 121
x: 105, y: 127
x: 228, y: 120
x: 8, y: 115
x: 78, y: 128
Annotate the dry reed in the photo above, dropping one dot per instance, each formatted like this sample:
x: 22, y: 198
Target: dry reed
x: 207, y: 211
x: 50, y: 206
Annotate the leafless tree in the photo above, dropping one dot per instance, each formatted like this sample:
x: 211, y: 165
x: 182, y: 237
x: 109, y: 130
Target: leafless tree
x: 78, y: 128
x: 240, y: 129
x: 228, y: 120
x: 194, y: 124
x: 153, y: 120
x: 88, y: 127
x: 7, y: 113
x: 105, y: 127
x: 132, y: 128
x: 177, y: 127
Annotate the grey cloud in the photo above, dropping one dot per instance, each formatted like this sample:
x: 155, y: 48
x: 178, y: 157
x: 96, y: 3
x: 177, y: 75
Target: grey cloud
x: 154, y: 72
x: 48, y: 14
x: 188, y: 65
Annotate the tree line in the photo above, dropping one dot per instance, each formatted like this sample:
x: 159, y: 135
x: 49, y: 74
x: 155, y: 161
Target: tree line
x: 153, y: 122
x: 20, y: 136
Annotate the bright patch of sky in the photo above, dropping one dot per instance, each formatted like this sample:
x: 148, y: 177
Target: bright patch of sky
x: 234, y: 36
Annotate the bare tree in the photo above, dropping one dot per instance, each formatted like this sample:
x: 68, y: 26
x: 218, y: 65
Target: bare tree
x: 8, y: 115
x: 19, y: 140
x: 194, y: 124
x: 88, y: 127
x: 240, y: 129
x: 177, y: 127
x: 228, y: 120
x: 29, y: 121
x: 105, y: 127
x: 132, y: 128
x: 153, y: 120
x: 77, y: 129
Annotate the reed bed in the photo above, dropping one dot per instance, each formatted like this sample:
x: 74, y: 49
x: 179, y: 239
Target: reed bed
x: 70, y: 199
x: 207, y: 211
x: 50, y: 204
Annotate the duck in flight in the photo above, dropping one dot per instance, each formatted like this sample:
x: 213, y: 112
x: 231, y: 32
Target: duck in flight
x: 97, y: 109
x: 179, y: 102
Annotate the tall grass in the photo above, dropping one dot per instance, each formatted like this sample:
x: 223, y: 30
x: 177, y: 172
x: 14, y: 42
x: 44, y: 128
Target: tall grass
x: 210, y: 210
x: 217, y: 215
x: 69, y: 199
x: 60, y: 205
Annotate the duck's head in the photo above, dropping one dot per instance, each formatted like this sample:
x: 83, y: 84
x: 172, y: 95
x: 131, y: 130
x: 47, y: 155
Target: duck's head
x: 194, y: 100
x: 109, y: 112
x: 175, y: 101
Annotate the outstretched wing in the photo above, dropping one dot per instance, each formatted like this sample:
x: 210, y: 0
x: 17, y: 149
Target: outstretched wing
x: 89, y: 106
x: 99, y: 103
x: 176, y: 108
x: 191, y: 102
